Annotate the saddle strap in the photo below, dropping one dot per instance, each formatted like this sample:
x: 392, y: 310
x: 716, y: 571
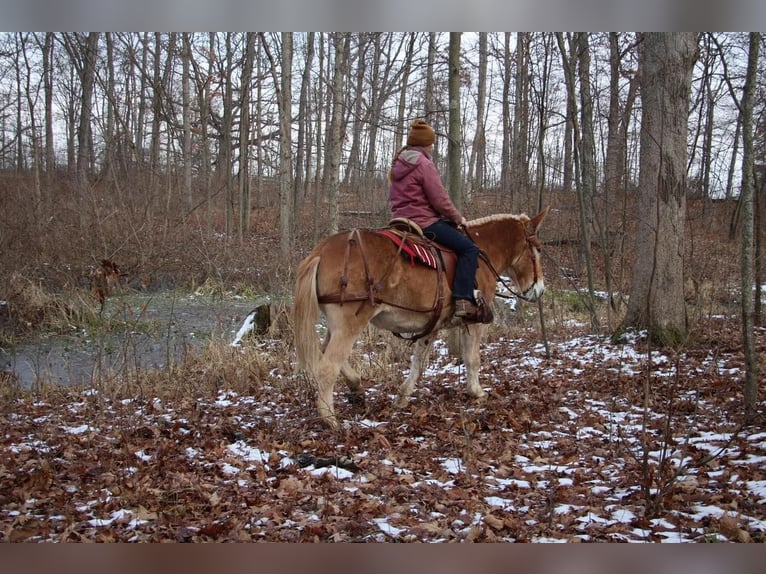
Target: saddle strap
x: 355, y: 236
x: 372, y: 295
x: 438, y: 305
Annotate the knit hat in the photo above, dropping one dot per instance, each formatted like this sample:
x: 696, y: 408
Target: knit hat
x: 421, y: 134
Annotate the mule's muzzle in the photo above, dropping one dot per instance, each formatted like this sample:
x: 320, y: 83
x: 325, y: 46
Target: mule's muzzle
x: 533, y: 292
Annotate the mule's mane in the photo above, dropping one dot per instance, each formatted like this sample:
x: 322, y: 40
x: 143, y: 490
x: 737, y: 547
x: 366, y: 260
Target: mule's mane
x: 523, y: 218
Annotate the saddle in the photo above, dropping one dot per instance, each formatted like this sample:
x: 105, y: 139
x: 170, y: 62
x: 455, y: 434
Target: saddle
x: 413, y: 244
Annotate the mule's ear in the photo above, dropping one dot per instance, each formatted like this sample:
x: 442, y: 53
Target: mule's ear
x: 538, y: 219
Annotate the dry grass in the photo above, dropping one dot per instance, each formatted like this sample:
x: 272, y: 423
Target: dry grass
x: 53, y: 277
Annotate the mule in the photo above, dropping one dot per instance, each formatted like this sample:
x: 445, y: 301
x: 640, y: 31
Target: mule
x: 359, y: 277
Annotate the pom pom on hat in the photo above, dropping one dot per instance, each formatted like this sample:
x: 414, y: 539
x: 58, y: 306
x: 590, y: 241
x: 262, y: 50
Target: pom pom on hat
x: 421, y: 134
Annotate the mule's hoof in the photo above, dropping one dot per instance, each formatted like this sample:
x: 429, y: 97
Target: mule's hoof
x: 356, y: 399
x: 401, y: 402
x: 330, y: 423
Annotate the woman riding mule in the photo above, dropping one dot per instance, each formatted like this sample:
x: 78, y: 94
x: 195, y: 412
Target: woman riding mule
x: 359, y: 277
x: 416, y: 193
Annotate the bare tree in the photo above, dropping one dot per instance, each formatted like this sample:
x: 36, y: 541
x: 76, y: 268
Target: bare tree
x: 50, y: 153
x: 283, y: 85
x: 619, y: 116
x: 587, y: 178
x: 571, y: 108
x: 84, y: 54
x: 320, y: 98
x: 404, y: 91
x: 507, y: 121
x: 204, y: 95
x: 615, y: 162
x: 657, y: 290
x: 747, y: 193
x: 477, y: 162
x: 341, y: 42
x: 31, y: 97
x: 454, y: 177
x: 286, y: 197
x: 542, y: 93
x: 361, y: 95
x: 303, y: 150
x: 244, y: 137
x: 429, y: 97
x: 520, y: 141
x: 225, y: 148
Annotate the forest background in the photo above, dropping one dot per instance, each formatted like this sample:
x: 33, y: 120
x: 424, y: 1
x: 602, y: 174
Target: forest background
x: 185, y: 158
x: 211, y: 163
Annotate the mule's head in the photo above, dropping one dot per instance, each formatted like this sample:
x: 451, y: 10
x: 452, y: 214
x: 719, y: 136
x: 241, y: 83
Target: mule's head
x: 526, y: 266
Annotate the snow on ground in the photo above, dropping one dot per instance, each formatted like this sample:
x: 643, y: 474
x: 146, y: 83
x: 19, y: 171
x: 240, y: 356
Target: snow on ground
x: 564, y: 450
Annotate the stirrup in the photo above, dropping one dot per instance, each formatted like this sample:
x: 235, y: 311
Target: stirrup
x: 465, y: 309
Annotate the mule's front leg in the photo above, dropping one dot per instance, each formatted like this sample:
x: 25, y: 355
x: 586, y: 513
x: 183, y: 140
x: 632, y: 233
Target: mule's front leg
x: 417, y: 364
x: 472, y: 360
x: 354, y: 383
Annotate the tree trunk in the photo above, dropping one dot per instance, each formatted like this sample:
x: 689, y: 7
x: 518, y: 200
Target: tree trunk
x: 400, y: 135
x: 748, y: 332
x: 505, y: 155
x: 186, y: 112
x: 223, y: 168
x: 244, y: 137
x: 453, y: 149
x: 543, y: 118
x: 587, y: 188
x: 90, y: 61
x: 759, y: 180
x: 354, y: 169
x: 477, y: 162
x: 304, y: 124
x: 205, y: 96
x: 520, y: 143
x: 50, y: 152
x: 428, y: 99
x: 334, y: 135
x: 154, y: 149
x: 320, y: 110
x: 286, y: 198
x: 657, y: 290
x: 618, y: 119
x: 37, y: 156
x: 571, y: 112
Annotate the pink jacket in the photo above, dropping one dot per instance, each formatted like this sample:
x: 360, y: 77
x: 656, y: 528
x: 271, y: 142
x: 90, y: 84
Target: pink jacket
x: 416, y: 191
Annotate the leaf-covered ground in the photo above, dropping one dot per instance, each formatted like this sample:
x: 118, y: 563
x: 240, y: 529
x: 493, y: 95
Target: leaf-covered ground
x: 567, y: 448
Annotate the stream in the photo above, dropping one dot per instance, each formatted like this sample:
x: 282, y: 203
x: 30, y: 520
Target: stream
x: 145, y: 332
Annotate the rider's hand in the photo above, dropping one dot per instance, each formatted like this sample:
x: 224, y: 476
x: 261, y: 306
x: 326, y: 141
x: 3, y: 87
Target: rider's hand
x: 463, y: 222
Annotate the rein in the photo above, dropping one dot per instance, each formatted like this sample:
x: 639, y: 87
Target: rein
x: 531, y: 240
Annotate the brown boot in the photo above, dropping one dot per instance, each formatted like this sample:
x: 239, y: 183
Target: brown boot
x: 465, y: 309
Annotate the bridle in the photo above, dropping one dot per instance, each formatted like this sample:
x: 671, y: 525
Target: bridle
x: 532, y: 241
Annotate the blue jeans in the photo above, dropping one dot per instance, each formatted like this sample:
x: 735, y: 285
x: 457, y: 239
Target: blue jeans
x: 467, y: 256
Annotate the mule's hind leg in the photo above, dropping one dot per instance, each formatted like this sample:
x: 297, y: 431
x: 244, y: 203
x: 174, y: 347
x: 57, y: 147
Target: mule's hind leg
x: 343, y: 330
x: 326, y: 374
x: 472, y: 359
x: 417, y: 364
x: 353, y: 379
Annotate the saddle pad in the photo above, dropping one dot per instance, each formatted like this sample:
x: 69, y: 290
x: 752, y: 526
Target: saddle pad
x: 415, y: 251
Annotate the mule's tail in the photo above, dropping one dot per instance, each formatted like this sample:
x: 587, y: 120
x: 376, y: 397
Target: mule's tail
x: 305, y: 315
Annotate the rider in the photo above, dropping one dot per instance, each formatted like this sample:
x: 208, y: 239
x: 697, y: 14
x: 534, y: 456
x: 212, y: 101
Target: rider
x: 416, y: 193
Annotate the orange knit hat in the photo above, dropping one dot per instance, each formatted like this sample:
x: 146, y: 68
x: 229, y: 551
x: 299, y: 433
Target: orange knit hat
x: 421, y: 134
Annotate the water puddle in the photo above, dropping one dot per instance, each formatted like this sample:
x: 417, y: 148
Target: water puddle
x: 145, y: 332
